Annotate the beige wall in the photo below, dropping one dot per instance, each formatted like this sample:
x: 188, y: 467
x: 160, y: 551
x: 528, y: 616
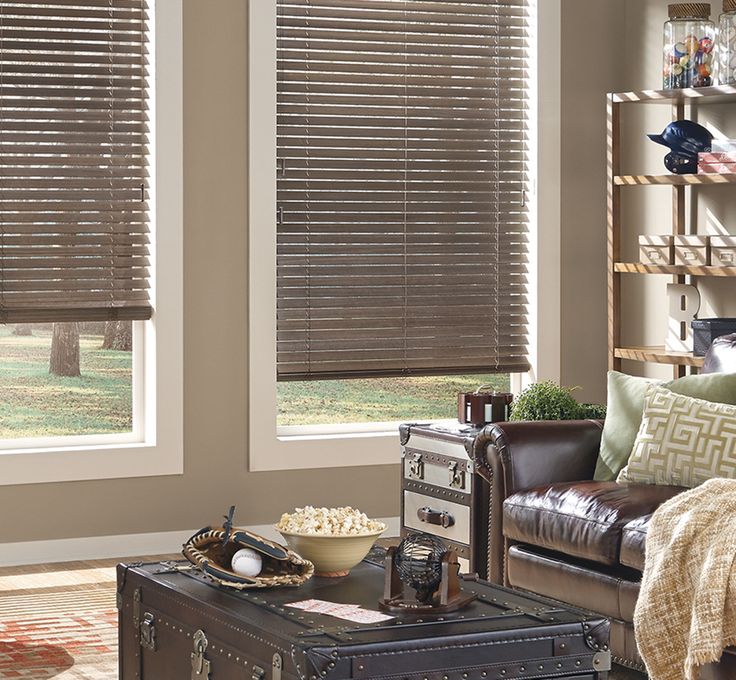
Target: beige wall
x: 591, y: 59
x: 215, y: 341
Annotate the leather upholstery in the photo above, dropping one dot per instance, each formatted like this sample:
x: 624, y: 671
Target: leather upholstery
x: 725, y: 669
x: 614, y: 592
x: 633, y: 542
x: 721, y: 356
x: 581, y: 519
x: 519, y: 455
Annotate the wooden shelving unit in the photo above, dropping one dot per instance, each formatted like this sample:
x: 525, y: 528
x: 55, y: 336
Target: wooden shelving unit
x: 677, y: 100
x: 673, y: 269
x: 674, y: 180
x: 658, y: 355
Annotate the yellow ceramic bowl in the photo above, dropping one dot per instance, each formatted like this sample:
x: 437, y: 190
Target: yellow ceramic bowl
x: 332, y: 555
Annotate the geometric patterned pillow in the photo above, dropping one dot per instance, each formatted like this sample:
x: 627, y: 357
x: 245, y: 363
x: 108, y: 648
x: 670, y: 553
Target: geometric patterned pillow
x: 682, y: 441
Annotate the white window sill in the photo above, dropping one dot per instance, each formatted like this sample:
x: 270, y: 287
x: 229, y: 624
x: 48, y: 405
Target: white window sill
x: 272, y: 452
x: 156, y: 448
x: 110, y: 461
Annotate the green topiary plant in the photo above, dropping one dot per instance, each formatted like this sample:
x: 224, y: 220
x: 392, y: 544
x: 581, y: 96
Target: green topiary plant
x: 549, y: 401
x: 592, y: 411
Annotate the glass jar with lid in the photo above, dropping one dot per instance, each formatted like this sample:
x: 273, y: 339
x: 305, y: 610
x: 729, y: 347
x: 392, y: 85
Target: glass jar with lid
x: 727, y: 44
x: 689, y: 42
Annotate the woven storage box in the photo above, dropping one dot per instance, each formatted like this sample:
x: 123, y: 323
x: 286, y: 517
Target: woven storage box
x: 656, y: 249
x: 723, y: 251
x: 692, y: 250
x: 705, y: 331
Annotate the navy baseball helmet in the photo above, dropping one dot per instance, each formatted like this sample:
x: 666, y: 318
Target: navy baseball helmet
x: 686, y: 139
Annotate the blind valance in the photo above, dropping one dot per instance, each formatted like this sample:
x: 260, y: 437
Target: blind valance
x: 403, y: 167
x: 74, y: 103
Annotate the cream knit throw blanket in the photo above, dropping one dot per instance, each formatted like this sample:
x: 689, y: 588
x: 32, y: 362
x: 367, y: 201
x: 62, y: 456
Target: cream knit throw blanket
x: 686, y: 612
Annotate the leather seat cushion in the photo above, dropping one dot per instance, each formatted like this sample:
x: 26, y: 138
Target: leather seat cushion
x: 633, y: 542
x: 606, y: 590
x: 581, y: 519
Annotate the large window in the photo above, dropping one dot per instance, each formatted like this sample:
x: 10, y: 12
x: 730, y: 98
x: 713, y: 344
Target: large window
x: 74, y: 214
x: 402, y: 183
x: 87, y: 179
x: 397, y: 212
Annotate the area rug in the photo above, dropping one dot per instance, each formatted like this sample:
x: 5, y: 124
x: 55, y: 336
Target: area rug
x: 61, y: 622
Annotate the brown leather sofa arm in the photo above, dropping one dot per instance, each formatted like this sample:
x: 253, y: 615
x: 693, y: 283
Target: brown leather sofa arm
x: 515, y: 456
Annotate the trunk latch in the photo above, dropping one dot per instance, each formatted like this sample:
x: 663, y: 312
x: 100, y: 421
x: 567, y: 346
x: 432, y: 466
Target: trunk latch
x: 276, y: 665
x: 200, y: 665
x: 148, y: 632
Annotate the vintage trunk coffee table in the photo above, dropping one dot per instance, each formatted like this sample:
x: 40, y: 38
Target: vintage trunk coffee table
x: 174, y: 624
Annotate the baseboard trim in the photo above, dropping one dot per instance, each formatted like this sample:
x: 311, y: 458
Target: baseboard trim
x: 126, y: 545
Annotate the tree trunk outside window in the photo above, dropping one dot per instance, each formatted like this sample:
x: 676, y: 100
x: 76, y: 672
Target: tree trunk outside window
x: 65, y: 350
x: 118, y: 336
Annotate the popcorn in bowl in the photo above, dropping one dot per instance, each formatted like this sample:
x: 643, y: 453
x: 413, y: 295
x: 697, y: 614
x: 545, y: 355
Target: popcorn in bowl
x: 333, y: 539
x: 344, y: 521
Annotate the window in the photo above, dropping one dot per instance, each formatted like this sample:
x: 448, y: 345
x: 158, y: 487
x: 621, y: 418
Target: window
x: 74, y: 215
x: 87, y: 179
x: 402, y: 176
x: 398, y: 213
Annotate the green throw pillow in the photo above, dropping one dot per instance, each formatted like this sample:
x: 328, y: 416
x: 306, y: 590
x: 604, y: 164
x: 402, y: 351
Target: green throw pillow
x: 626, y: 394
x: 682, y: 441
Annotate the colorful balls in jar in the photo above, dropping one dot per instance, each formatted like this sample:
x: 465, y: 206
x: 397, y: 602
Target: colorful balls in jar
x: 688, y: 63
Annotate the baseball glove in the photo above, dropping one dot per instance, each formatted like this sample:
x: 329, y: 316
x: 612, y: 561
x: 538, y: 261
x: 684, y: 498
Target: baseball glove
x: 212, y: 550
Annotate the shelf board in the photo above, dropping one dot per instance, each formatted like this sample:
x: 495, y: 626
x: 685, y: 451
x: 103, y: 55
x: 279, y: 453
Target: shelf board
x: 720, y: 94
x: 674, y: 269
x: 675, y: 180
x: 658, y: 355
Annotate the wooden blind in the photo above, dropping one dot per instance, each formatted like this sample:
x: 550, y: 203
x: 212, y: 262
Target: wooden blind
x: 403, y: 166
x: 73, y: 160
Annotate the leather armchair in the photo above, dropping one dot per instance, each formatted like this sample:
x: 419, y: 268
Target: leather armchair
x: 517, y: 456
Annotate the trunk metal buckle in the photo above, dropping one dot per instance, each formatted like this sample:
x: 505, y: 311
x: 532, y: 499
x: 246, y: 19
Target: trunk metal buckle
x: 148, y: 632
x: 416, y: 466
x: 200, y: 665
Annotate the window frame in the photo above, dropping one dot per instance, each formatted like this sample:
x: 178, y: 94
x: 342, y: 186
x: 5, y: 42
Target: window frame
x: 155, y: 447
x: 272, y: 447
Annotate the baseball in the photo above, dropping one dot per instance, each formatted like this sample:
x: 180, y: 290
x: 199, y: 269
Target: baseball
x: 247, y: 562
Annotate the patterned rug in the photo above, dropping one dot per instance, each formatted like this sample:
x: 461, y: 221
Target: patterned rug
x: 60, y: 621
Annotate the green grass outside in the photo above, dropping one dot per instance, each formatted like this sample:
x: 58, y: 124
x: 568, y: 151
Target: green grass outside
x: 377, y: 399
x: 34, y: 403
